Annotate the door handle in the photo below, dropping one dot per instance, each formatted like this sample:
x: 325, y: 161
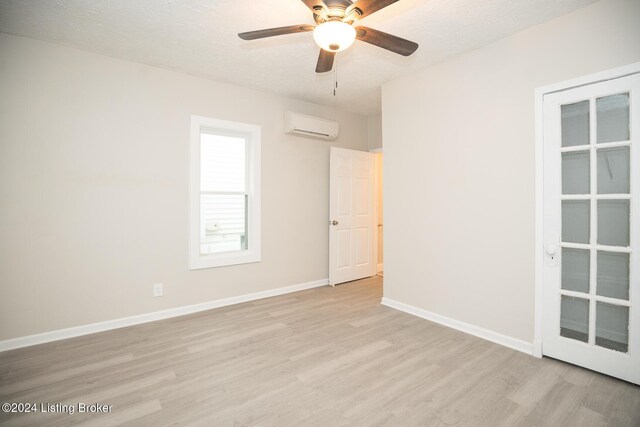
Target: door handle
x: 334, y: 222
x: 551, y: 249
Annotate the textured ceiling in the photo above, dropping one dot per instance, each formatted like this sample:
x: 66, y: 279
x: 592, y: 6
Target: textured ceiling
x: 199, y: 37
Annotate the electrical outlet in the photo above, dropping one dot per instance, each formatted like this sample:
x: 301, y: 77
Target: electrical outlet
x: 158, y: 291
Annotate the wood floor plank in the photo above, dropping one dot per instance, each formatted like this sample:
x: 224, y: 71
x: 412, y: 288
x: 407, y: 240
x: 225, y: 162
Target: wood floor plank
x: 324, y: 356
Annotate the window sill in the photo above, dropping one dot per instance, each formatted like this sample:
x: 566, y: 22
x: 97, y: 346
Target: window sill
x: 223, y: 260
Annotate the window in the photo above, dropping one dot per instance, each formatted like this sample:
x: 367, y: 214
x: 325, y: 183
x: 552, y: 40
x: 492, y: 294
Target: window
x: 225, y: 193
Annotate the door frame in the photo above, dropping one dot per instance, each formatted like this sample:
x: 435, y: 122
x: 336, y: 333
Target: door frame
x: 540, y: 92
x: 378, y: 184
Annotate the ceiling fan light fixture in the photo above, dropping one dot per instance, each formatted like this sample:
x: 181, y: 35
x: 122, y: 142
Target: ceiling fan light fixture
x: 334, y: 36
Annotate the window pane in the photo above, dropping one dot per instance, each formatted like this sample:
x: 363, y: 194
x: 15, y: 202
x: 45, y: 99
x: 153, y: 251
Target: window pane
x: 576, y: 221
x: 222, y: 163
x: 613, y: 275
x: 575, y: 270
x: 575, y: 173
x: 612, y: 326
x: 575, y: 124
x: 223, y: 223
x: 613, y: 118
x: 574, y: 318
x: 613, y: 222
x: 613, y: 171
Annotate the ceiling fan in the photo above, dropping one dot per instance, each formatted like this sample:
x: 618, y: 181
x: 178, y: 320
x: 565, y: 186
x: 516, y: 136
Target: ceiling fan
x: 335, y: 31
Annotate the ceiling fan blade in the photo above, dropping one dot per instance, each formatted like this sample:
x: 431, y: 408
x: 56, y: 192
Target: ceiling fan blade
x: 313, y: 4
x: 325, y: 61
x: 386, y: 41
x: 260, y: 34
x: 367, y: 7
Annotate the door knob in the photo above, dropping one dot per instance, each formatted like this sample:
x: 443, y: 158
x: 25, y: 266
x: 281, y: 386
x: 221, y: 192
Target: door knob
x: 552, y: 255
x: 334, y: 222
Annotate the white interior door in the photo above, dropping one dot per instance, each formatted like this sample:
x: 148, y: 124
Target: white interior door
x: 352, y: 215
x: 591, y: 296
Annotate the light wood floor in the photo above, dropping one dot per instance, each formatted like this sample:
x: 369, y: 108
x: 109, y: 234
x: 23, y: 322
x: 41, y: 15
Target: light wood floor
x: 322, y: 357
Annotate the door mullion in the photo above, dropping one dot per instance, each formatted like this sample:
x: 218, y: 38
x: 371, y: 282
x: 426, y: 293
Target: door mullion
x: 593, y: 238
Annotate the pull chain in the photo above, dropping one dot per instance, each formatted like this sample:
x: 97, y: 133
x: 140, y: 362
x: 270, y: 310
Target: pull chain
x: 335, y: 79
x: 335, y: 82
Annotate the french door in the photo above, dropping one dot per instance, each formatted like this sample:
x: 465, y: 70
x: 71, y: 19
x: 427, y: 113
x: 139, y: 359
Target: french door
x: 352, y: 215
x: 591, y: 273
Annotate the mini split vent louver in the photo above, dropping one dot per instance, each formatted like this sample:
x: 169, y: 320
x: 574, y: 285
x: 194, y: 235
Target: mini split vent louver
x: 310, y: 127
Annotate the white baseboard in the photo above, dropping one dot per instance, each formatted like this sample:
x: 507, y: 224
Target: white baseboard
x: 537, y: 349
x: 108, y: 325
x: 513, y: 343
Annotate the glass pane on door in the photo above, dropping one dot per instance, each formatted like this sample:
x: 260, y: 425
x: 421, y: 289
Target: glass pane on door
x: 614, y: 174
x: 613, y: 118
x: 613, y: 222
x: 613, y: 275
x: 576, y: 221
x: 575, y: 269
x: 612, y: 326
x: 574, y: 318
x: 575, y: 124
x: 575, y: 173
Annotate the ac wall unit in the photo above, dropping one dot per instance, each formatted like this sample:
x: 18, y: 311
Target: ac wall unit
x: 310, y: 127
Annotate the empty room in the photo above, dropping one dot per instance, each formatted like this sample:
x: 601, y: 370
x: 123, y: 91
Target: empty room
x: 320, y: 212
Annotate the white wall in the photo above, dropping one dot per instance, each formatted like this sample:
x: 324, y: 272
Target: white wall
x: 374, y: 129
x: 459, y: 166
x: 94, y: 188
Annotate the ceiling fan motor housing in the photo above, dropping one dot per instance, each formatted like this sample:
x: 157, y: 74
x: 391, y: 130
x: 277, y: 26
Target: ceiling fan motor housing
x: 338, y: 3
x: 340, y: 10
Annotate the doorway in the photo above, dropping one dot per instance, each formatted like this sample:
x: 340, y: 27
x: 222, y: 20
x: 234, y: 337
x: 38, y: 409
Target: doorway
x: 354, y: 187
x: 379, y: 212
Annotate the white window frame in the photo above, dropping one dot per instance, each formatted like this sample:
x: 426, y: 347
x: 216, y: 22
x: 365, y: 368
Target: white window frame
x: 252, y: 134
